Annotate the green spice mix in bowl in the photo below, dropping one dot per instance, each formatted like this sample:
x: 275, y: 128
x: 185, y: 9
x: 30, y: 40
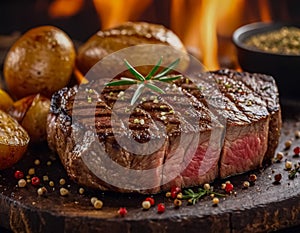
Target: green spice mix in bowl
x: 271, y: 49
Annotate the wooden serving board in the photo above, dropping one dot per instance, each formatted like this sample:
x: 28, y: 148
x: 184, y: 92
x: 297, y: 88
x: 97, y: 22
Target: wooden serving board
x: 263, y: 207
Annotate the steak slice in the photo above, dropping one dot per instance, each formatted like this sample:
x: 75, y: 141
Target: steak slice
x: 254, y: 141
x: 175, y: 139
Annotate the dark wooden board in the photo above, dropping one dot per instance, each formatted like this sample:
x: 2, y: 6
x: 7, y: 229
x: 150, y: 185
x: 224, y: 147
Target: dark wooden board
x: 264, y: 207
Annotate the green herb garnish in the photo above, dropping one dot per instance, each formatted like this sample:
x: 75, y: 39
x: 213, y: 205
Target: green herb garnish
x: 193, y: 197
x: 148, y: 81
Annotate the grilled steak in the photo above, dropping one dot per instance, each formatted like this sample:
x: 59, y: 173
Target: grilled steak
x: 186, y: 137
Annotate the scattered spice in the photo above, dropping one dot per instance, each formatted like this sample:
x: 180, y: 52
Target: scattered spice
x: 179, y: 196
x: 51, y: 183
x: 229, y: 188
x: 252, y: 179
x: 215, y: 201
x: 161, y: 208
x: 31, y: 171
x: 168, y: 194
x: 22, y: 183
x: 35, y: 181
x: 206, y: 186
x: 297, y: 134
x: 93, y: 200
x: 288, y: 165
x: 122, y: 211
x: 177, y: 203
x: 296, y: 151
x: 277, y: 178
x: 42, y: 191
x: 279, y: 157
x: 151, y: 200
x: 194, y: 197
x: 49, y: 163
x: 19, y: 175
x: 174, y: 191
x: 62, y: 181
x: 146, y: 205
x: 288, y: 144
x: 98, y: 204
x: 246, y: 184
x: 81, y: 191
x: 284, y: 40
x: 45, y: 178
x: 37, y: 162
x: 63, y: 191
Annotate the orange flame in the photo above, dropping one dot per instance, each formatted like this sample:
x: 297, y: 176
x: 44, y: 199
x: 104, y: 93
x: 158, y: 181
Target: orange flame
x: 115, y: 12
x: 65, y: 8
x: 198, y: 24
x: 265, y: 11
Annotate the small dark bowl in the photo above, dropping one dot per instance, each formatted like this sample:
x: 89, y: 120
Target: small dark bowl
x: 284, y: 68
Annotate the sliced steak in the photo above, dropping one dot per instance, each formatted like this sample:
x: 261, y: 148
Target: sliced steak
x: 178, y: 138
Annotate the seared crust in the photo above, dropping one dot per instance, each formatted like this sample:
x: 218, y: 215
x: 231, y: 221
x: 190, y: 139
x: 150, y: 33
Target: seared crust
x: 261, y: 118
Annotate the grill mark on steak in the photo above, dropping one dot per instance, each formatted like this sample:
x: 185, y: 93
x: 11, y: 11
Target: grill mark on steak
x: 247, y: 129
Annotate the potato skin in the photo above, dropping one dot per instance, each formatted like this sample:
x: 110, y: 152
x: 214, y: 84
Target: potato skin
x: 14, y: 141
x: 5, y: 101
x: 31, y: 112
x: 40, y: 61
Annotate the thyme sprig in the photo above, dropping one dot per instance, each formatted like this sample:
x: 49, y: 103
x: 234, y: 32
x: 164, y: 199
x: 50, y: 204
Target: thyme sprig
x: 147, y: 81
x: 194, y: 197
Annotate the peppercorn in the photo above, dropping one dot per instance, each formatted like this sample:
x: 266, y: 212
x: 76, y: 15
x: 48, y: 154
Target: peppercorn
x: 31, y: 171
x: 277, y: 178
x: 19, y: 175
x: 229, y: 188
x: 146, y: 205
x: 246, y: 184
x: 22, y: 183
x: 161, y: 208
x: 93, y: 200
x: 252, y: 178
x: 288, y: 165
x: 297, y: 150
x: 179, y: 196
x: 41, y: 191
x: 297, y: 134
x: 51, y: 183
x: 151, y: 200
x: 278, y: 157
x: 122, y: 211
x: 177, y: 202
x: 62, y: 181
x: 35, y: 181
x: 81, y: 190
x: 288, y: 144
x: 215, y: 201
x: 206, y: 186
x: 37, y: 162
x: 63, y: 191
x: 98, y: 204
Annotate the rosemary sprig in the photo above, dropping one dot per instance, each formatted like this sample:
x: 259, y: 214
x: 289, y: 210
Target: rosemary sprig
x: 194, y: 197
x: 148, y: 81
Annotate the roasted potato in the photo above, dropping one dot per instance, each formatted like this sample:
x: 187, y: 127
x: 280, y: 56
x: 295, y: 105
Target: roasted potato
x: 5, y: 101
x: 31, y: 112
x: 40, y: 61
x: 126, y: 35
x: 13, y: 141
